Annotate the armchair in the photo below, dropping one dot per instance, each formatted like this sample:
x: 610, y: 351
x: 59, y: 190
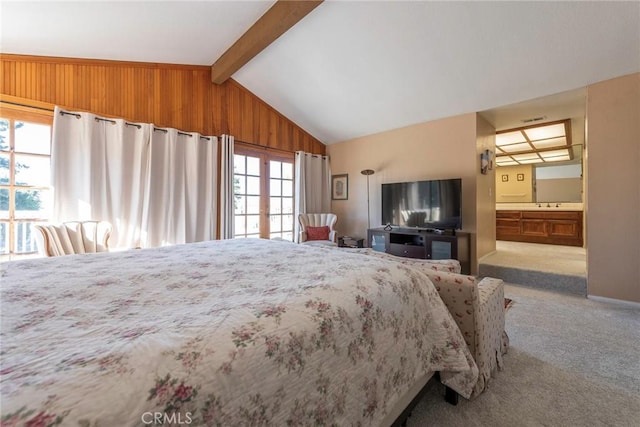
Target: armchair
x: 307, y: 220
x: 74, y: 237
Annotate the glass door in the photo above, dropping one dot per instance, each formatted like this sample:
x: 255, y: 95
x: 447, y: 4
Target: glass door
x: 281, y: 199
x: 247, y: 192
x: 263, y: 194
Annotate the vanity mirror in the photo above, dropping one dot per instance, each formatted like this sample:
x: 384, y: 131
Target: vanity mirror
x: 560, y: 182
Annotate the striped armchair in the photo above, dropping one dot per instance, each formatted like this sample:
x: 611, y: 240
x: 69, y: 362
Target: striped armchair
x: 74, y: 237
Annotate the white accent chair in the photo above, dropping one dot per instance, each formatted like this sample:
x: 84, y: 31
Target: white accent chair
x: 73, y: 237
x: 317, y: 220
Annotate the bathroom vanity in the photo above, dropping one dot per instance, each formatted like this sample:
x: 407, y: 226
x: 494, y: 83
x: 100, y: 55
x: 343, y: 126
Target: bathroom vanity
x: 549, y: 223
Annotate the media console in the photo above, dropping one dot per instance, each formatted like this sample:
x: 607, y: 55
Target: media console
x: 422, y: 243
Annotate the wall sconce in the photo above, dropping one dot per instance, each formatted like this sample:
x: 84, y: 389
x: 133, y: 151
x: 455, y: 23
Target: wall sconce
x: 486, y: 161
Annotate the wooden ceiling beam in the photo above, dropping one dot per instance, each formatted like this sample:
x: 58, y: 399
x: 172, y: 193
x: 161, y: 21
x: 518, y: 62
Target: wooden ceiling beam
x: 276, y: 21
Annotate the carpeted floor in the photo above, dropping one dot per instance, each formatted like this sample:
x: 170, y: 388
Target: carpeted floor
x: 572, y: 362
x: 565, y: 260
x: 551, y: 267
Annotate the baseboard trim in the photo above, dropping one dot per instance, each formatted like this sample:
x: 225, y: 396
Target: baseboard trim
x: 630, y: 304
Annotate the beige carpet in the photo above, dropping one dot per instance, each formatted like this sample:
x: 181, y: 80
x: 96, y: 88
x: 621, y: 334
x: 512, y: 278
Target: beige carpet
x: 530, y: 392
x: 568, y: 260
x: 550, y: 267
x: 572, y: 362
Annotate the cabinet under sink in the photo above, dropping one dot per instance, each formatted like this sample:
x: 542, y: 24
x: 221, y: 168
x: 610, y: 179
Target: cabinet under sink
x: 549, y: 227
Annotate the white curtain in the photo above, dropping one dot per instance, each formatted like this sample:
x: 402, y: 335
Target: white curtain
x: 226, y: 187
x: 180, y: 203
x: 312, y: 186
x: 156, y: 187
x: 99, y: 170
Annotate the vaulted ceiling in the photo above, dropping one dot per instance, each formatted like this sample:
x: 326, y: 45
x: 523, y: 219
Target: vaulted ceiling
x: 350, y: 69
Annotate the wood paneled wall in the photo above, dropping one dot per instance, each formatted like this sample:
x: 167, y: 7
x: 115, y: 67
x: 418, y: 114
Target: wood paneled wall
x: 167, y: 95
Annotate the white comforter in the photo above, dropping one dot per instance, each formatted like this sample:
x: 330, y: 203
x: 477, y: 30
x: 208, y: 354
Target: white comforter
x: 231, y: 333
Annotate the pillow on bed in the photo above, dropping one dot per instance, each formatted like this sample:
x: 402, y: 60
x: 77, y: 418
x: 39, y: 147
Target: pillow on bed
x: 318, y: 233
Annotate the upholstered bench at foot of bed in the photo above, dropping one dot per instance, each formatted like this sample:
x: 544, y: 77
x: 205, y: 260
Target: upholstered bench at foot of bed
x: 478, y: 309
x: 477, y: 306
x: 494, y: 341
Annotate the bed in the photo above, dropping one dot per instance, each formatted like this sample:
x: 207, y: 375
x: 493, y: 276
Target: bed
x: 235, y: 332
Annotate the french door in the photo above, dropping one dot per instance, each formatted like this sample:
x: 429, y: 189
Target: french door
x: 263, y: 193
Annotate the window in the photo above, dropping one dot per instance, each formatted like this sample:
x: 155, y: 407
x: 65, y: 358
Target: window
x: 263, y: 194
x: 25, y: 194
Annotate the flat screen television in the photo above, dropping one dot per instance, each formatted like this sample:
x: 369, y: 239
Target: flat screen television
x: 423, y: 204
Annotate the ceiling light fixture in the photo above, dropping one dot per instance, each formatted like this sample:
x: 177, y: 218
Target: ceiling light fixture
x: 546, y: 142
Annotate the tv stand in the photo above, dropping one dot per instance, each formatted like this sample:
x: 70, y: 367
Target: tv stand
x: 422, y: 243
x: 451, y: 232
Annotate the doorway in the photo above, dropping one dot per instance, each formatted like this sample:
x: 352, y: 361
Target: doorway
x: 263, y: 193
x: 532, y: 186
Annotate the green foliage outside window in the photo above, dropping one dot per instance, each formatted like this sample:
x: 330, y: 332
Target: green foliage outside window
x: 26, y: 200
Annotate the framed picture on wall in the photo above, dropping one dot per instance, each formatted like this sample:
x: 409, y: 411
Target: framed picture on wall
x: 520, y: 177
x: 340, y: 187
x: 505, y: 178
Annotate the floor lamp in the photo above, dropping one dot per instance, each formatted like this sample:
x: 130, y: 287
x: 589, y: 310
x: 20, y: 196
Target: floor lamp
x: 368, y: 172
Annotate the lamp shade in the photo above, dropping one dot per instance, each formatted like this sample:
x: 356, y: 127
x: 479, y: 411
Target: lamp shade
x: 368, y: 172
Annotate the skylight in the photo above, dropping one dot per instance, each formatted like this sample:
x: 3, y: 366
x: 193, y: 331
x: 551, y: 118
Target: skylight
x: 543, y: 143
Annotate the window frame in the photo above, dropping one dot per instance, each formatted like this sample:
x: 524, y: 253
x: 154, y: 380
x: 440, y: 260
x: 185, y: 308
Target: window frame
x: 265, y: 155
x: 21, y: 113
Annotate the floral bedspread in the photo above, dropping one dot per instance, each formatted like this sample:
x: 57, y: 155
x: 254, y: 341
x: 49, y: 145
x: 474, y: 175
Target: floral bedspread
x: 226, y: 333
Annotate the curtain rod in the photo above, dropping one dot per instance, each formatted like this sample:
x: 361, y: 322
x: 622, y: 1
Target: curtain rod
x: 310, y: 154
x: 266, y: 147
x: 62, y: 112
x: 101, y: 119
x: 98, y: 119
x: 180, y: 133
